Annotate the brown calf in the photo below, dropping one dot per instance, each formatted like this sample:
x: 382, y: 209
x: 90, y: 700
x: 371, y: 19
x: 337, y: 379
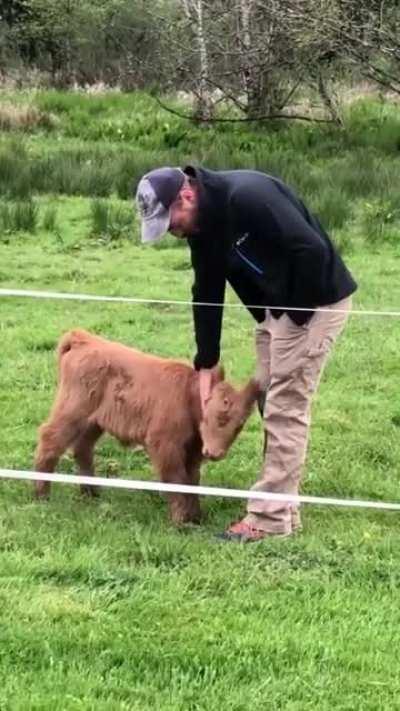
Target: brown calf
x: 139, y: 399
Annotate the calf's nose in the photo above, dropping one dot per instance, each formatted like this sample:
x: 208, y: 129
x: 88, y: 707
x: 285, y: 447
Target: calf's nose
x: 213, y: 456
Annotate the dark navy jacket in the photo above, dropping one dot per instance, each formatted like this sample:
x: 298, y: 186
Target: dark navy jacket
x: 255, y: 233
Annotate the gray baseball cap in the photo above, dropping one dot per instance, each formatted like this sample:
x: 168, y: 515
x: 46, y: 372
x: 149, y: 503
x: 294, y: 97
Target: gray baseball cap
x: 155, y: 194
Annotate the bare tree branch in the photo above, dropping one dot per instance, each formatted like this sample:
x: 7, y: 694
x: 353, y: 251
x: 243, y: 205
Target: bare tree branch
x: 244, y: 119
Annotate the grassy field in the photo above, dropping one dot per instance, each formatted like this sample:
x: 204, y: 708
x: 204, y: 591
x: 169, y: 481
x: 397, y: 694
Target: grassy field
x: 104, y: 605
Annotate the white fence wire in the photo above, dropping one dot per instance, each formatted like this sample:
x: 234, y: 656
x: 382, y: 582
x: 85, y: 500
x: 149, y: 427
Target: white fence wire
x: 140, y: 485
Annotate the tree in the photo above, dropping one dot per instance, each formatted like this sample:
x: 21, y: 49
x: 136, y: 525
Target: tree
x: 80, y: 40
x: 362, y: 34
x: 250, y: 55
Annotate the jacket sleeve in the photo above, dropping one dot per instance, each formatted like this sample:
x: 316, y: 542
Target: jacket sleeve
x: 209, y: 265
x: 288, y: 232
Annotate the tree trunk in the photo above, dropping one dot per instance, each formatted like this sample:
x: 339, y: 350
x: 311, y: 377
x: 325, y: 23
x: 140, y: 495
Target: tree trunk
x: 250, y: 74
x: 194, y: 11
x: 329, y: 101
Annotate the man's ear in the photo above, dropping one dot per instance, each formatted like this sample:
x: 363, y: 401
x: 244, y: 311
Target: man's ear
x: 187, y: 194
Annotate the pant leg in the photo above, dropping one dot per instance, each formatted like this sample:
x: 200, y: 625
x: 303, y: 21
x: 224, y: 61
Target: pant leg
x: 263, y: 351
x: 298, y: 355
x: 263, y: 338
x: 263, y: 365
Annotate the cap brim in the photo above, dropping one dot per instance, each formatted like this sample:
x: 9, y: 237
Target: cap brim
x: 154, y: 228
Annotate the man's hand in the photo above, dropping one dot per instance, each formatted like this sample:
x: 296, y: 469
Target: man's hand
x: 205, y: 386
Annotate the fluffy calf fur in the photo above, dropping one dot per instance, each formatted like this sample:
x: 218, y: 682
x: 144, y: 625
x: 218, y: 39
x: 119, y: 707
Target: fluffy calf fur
x: 138, y: 398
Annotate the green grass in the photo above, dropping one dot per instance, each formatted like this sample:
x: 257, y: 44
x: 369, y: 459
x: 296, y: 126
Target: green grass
x: 110, y: 221
x: 50, y: 219
x: 21, y: 216
x: 105, y: 605
x: 99, y: 146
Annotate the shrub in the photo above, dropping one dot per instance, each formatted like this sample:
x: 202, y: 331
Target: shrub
x: 110, y: 221
x: 50, y: 219
x: 24, y: 118
x: 18, y: 217
x: 331, y: 206
x: 378, y: 215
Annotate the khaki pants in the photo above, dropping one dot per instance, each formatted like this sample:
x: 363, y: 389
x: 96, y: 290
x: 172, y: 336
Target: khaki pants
x: 291, y: 360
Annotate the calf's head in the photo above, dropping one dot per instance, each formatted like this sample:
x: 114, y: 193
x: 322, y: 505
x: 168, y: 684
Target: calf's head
x: 225, y: 414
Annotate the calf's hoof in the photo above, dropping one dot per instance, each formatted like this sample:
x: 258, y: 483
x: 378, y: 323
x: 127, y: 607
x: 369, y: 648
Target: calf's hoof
x: 186, y: 517
x: 42, y: 490
x: 91, y: 491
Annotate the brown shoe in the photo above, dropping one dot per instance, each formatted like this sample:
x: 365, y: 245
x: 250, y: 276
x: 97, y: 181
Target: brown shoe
x: 242, y: 532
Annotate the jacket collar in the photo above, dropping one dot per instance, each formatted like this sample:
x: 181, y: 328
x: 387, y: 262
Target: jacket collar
x: 212, y: 198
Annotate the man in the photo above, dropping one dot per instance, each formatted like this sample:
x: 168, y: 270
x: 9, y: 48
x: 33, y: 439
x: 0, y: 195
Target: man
x: 250, y: 229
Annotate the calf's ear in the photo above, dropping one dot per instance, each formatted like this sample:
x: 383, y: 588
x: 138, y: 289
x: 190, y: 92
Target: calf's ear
x: 249, y: 393
x: 217, y: 375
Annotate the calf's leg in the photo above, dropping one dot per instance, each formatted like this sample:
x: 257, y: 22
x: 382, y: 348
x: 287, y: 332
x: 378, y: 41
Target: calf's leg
x: 170, y: 466
x: 193, y: 463
x: 55, y: 437
x: 83, y: 449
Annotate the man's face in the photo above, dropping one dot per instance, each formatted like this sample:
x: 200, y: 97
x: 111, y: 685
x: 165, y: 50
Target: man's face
x: 184, y: 213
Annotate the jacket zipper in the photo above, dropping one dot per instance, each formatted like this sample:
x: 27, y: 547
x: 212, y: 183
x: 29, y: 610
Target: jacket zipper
x: 248, y: 262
